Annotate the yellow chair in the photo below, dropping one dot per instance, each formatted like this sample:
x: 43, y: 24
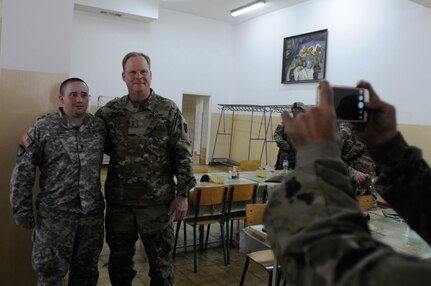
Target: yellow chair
x: 249, y: 165
x: 200, y: 170
x: 239, y: 197
x: 208, y: 206
x: 264, y: 258
x: 254, y: 213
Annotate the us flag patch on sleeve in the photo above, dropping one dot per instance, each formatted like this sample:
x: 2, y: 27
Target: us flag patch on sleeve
x: 26, y: 140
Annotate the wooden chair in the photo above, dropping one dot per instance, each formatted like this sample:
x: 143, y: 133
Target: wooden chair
x: 249, y: 165
x: 200, y: 170
x: 208, y: 206
x: 239, y: 197
x: 254, y: 213
x: 264, y: 258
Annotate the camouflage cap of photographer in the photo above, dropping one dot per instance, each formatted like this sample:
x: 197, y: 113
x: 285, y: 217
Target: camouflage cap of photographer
x: 298, y: 106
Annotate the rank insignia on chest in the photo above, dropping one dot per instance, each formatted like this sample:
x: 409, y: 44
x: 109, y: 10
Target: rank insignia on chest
x: 156, y: 114
x: 26, y: 140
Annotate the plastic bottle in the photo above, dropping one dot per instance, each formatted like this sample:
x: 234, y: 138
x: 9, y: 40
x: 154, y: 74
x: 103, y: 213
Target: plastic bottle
x: 234, y: 173
x: 286, y: 164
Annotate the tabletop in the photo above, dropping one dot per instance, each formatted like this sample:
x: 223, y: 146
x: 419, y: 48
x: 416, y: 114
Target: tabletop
x: 389, y: 230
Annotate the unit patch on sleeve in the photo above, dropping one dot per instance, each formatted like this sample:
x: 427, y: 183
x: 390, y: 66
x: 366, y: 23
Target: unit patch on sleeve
x: 20, y: 151
x: 26, y: 140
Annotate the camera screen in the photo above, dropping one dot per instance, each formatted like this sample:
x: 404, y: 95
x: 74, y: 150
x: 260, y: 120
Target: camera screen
x: 349, y: 104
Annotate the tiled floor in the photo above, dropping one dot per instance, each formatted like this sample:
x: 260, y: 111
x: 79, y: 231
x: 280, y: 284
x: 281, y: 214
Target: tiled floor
x: 211, y: 270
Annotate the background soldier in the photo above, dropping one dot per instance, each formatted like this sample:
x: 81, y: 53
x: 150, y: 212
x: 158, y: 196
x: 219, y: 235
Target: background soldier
x: 361, y: 168
x: 67, y: 146
x: 283, y: 142
x: 316, y: 228
x: 148, y: 146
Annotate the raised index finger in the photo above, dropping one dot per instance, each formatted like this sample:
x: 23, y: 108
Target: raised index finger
x: 325, y: 100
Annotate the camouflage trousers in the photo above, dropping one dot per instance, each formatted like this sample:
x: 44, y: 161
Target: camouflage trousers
x: 63, y: 242
x: 124, y: 225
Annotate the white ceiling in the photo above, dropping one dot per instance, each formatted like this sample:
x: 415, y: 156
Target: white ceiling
x: 219, y: 9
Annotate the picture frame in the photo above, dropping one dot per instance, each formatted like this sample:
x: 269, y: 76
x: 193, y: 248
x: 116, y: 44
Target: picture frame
x: 304, y: 57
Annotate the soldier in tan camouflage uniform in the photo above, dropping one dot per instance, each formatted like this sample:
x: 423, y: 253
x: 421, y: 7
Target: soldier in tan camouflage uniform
x: 67, y: 146
x: 148, y: 144
x: 283, y: 141
x: 361, y: 168
x: 317, y: 229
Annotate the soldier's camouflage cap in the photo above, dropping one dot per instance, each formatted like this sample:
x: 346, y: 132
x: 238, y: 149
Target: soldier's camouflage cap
x: 298, y: 106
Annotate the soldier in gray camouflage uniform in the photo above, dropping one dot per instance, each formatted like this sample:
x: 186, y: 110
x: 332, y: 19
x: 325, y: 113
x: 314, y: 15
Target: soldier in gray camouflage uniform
x: 283, y: 141
x: 67, y: 146
x: 316, y: 228
x: 360, y: 166
x: 148, y: 144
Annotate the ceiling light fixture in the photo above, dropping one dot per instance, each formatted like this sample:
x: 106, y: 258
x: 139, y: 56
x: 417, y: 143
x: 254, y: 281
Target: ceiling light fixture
x: 247, y: 8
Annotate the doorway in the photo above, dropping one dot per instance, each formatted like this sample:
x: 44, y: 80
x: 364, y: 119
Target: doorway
x: 195, y: 109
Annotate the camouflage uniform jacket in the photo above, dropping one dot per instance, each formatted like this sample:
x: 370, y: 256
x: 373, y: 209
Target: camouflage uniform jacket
x: 69, y: 160
x: 320, y: 235
x: 354, y: 153
x: 285, y: 148
x: 148, y: 144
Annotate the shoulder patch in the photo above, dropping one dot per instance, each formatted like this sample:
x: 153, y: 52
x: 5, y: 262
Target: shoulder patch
x: 26, y: 140
x: 20, y: 151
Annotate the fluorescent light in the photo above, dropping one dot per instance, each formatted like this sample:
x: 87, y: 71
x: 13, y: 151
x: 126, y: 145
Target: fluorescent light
x: 247, y: 8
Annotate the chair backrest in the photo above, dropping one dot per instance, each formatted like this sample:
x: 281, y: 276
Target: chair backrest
x: 254, y: 213
x: 239, y: 196
x: 209, y: 201
x: 206, y: 196
x: 249, y: 165
x: 200, y: 170
x: 243, y: 192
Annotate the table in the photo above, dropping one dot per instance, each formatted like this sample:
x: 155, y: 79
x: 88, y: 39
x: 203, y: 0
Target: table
x: 396, y: 233
x: 227, y: 181
x: 389, y: 230
x: 247, y: 177
x: 253, y: 238
x: 244, y: 178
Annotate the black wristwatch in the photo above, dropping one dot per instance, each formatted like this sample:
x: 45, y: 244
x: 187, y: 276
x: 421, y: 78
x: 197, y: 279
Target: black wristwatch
x: 186, y: 195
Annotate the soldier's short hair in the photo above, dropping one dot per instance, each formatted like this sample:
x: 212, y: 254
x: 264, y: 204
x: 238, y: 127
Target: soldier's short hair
x: 63, y: 85
x: 136, y: 54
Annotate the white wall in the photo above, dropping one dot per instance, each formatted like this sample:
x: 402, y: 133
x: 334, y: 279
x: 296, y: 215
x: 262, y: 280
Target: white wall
x: 189, y: 54
x: 383, y: 41
x: 25, y: 48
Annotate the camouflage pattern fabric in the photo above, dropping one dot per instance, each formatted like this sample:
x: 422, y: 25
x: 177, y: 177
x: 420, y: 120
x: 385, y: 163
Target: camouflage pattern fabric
x: 69, y: 160
x: 123, y: 224
x: 320, y: 235
x: 285, y: 148
x: 148, y: 144
x: 354, y: 153
x: 58, y: 247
